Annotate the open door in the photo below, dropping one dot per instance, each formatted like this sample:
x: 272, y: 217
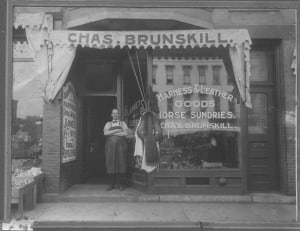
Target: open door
x: 97, y: 110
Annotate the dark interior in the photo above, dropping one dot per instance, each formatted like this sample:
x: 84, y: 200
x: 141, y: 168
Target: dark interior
x: 96, y: 112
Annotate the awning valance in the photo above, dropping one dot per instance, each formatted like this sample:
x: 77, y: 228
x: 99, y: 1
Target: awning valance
x: 55, y: 49
x: 153, y: 39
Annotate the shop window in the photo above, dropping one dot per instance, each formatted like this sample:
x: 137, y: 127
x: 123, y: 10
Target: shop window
x: 170, y: 74
x: 231, y: 105
x: 27, y: 111
x: 199, y: 129
x: 187, y: 74
x: 154, y: 70
x: 202, y: 74
x: 216, y: 69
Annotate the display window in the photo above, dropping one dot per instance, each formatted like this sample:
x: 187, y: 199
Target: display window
x: 199, y: 113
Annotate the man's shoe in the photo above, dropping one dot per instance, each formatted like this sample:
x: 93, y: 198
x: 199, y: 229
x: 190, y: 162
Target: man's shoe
x: 122, y: 188
x: 109, y: 187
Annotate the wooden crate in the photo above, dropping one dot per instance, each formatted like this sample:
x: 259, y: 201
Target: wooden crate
x: 27, y: 196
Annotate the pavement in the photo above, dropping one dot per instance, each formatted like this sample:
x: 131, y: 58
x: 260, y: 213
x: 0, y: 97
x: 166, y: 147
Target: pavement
x: 90, y: 205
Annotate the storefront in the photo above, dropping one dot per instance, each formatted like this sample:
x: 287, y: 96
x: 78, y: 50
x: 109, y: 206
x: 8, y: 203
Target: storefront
x: 220, y: 98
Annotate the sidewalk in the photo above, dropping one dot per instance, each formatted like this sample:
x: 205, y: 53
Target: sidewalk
x: 158, y: 213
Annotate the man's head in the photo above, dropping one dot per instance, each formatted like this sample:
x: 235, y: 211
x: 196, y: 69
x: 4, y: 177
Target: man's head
x: 115, y: 114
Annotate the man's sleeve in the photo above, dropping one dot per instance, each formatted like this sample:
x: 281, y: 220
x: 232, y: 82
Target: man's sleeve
x: 106, y: 127
x: 124, y: 125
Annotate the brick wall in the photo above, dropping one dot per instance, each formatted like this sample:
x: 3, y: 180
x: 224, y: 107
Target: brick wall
x: 52, y: 145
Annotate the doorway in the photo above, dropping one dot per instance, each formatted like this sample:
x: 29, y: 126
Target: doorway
x: 96, y: 112
x: 263, y: 166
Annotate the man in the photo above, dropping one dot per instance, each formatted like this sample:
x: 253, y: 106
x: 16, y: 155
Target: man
x: 116, y: 151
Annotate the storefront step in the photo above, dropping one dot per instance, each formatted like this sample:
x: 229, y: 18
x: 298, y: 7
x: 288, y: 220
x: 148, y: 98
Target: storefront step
x: 164, y: 226
x: 98, y: 193
x: 266, y: 198
x: 249, y: 226
x: 115, y: 226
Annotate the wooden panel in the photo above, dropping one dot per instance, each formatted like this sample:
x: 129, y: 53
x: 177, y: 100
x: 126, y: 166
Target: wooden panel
x: 229, y: 181
x: 139, y: 178
x: 192, y: 189
x: 166, y: 181
x: 262, y: 155
x: 197, y: 173
x: 197, y: 181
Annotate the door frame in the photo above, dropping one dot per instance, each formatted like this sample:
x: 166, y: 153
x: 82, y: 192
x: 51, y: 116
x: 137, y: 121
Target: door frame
x: 273, y: 47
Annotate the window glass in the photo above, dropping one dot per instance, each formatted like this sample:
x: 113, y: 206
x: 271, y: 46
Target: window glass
x: 187, y: 74
x: 202, y: 74
x: 200, y: 122
x: 170, y: 74
x: 257, y: 117
x: 216, y: 74
x: 27, y: 111
x: 259, y: 59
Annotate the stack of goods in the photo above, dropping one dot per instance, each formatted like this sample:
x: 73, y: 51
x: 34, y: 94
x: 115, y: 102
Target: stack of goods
x: 21, y: 178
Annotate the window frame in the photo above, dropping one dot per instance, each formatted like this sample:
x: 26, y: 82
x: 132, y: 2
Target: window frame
x: 154, y: 74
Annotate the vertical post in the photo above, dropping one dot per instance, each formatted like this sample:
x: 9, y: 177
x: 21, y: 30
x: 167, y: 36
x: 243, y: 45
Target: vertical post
x: 120, y: 89
x: 149, y: 60
x: 298, y: 119
x: 243, y: 148
x: 5, y: 109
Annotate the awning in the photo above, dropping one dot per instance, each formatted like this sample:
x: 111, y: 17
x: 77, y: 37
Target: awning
x: 55, y: 49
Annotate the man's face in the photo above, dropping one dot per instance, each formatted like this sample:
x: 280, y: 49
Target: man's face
x: 115, y: 114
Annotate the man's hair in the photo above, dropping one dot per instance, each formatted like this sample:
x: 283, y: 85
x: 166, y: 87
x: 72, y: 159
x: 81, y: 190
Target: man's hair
x: 114, y: 109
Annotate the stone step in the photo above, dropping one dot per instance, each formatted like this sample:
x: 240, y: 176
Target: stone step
x: 114, y: 226
x: 153, y: 226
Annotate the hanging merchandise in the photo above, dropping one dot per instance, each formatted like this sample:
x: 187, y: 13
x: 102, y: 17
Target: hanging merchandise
x: 136, y: 77
x: 139, y: 152
x: 140, y: 72
x: 149, y: 131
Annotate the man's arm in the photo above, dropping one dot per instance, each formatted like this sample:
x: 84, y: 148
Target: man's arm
x: 124, y: 131
x: 108, y: 132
